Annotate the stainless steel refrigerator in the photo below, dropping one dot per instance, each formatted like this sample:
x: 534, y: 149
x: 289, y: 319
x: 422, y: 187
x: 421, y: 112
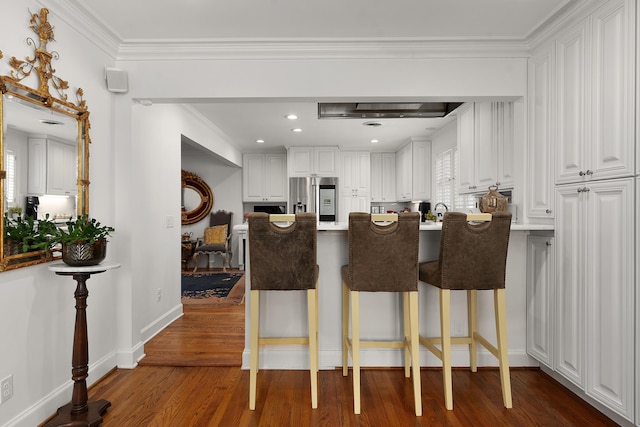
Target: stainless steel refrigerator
x: 314, y: 194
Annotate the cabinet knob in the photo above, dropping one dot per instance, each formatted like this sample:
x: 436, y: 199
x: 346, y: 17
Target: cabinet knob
x: 498, y: 184
x: 589, y: 172
x: 581, y: 173
x: 548, y: 243
x: 548, y: 211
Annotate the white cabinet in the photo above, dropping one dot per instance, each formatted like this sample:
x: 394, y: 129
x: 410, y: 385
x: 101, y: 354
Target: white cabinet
x: 355, y: 183
x: 595, y: 118
x: 308, y: 161
x: 413, y: 168
x: 485, y: 141
x: 540, y: 298
x: 52, y: 167
x: 383, y: 177
x: 264, y: 177
x: 541, y: 111
x: 595, y: 290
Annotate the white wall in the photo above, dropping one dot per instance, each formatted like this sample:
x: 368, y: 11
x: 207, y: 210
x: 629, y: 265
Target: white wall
x: 37, y: 307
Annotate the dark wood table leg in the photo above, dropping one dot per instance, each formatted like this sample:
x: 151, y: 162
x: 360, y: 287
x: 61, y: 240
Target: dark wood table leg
x: 80, y: 412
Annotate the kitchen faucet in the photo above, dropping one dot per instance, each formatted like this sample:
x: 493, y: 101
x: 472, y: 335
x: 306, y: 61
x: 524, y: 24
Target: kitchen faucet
x: 439, y: 216
x: 446, y: 209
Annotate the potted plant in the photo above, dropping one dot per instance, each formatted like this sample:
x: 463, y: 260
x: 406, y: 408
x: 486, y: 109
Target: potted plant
x: 27, y: 235
x: 84, y: 242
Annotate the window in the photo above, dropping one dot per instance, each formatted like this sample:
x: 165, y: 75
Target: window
x: 445, y: 177
x: 10, y: 183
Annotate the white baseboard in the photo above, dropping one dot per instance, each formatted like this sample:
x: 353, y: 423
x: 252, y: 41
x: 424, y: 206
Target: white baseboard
x: 49, y: 404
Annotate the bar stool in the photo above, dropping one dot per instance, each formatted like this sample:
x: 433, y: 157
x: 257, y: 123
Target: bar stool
x: 473, y: 256
x: 382, y: 258
x: 283, y: 259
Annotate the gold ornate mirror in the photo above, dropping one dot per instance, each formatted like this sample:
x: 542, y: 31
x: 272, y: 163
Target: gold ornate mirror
x: 44, y: 141
x: 197, y: 198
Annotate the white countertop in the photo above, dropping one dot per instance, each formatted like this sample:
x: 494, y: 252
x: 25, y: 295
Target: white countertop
x: 425, y: 226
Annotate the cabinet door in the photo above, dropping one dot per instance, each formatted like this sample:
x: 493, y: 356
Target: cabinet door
x: 326, y: 161
x: 253, y: 173
x: 403, y: 173
x: 504, y: 141
x: 612, y: 122
x: 356, y: 172
x: 61, y: 167
x: 541, y: 111
x: 570, y: 270
x: 572, y: 135
x: 466, y: 152
x: 540, y: 298
x: 421, y: 170
x: 610, y: 291
x: 376, y: 177
x: 37, y: 178
x: 350, y: 203
x: 485, y: 145
x: 388, y: 177
x: 300, y: 161
x: 275, y: 177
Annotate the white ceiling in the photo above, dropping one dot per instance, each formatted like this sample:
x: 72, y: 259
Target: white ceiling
x: 176, y: 21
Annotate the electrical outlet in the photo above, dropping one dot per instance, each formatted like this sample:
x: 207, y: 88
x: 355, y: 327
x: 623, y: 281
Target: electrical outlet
x: 158, y: 295
x: 6, y: 389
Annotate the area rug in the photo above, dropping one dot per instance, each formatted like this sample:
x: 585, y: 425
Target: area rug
x: 213, y: 288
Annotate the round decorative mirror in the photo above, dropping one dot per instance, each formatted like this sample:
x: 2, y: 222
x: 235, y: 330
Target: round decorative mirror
x: 197, y: 198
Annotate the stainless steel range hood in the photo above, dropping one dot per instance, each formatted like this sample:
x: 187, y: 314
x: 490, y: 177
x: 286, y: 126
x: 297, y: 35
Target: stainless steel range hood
x: 385, y: 110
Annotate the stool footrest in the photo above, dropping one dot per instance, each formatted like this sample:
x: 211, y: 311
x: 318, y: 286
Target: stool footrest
x: 486, y: 344
x: 283, y: 340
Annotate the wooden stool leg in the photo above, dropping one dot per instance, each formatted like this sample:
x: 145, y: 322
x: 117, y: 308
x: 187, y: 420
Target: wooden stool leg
x: 407, y: 333
x: 253, y: 347
x: 472, y: 320
x: 355, y: 345
x: 313, y: 344
x: 445, y: 333
x: 501, y: 333
x: 415, y: 351
x: 345, y: 329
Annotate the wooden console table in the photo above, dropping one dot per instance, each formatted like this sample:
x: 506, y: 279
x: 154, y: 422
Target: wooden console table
x: 80, y: 412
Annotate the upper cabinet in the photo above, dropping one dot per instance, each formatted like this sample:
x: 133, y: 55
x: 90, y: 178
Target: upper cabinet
x: 541, y: 111
x: 485, y: 146
x: 308, y: 161
x: 413, y: 168
x: 383, y: 177
x: 595, y: 117
x: 52, y: 167
x: 355, y: 183
x: 264, y: 178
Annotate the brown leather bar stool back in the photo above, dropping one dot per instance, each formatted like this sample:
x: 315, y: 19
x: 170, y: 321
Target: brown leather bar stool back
x: 283, y: 258
x: 473, y: 256
x: 383, y: 257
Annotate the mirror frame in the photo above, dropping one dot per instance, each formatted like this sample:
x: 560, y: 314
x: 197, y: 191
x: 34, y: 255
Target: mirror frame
x: 194, y: 182
x: 10, y: 85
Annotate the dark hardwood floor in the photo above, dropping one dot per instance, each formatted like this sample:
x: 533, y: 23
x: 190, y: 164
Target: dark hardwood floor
x: 202, y: 384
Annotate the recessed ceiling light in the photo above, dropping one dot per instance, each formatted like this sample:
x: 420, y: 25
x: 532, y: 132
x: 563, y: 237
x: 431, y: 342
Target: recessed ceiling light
x: 260, y: 141
x: 51, y: 122
x: 296, y: 130
x: 373, y: 141
x: 291, y: 116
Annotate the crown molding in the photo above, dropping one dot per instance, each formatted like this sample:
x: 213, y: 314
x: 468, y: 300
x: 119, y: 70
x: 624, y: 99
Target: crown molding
x: 321, y: 49
x: 79, y: 19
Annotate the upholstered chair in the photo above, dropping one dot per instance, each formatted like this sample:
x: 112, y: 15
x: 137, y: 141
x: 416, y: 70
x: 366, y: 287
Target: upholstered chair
x: 473, y: 256
x: 283, y: 258
x: 216, y: 240
x: 383, y: 257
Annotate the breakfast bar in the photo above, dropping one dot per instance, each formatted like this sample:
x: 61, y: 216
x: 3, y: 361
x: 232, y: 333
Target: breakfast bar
x: 382, y: 310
